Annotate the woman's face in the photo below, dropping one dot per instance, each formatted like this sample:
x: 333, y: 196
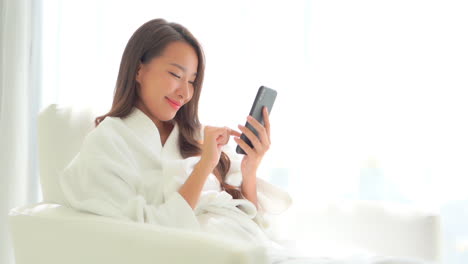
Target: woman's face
x: 166, y: 82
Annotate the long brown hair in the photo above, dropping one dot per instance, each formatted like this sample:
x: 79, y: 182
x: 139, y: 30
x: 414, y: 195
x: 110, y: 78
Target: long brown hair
x: 145, y: 44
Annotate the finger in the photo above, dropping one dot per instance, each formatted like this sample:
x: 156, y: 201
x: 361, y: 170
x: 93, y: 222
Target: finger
x: 244, y: 146
x: 266, y: 118
x: 214, y: 131
x: 222, y: 134
x: 222, y: 140
x: 252, y: 137
x: 260, y: 129
x: 235, y: 133
x: 221, y: 131
x: 223, y: 137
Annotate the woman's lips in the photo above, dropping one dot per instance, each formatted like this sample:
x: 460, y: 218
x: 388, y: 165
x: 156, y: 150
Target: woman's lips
x: 174, y: 105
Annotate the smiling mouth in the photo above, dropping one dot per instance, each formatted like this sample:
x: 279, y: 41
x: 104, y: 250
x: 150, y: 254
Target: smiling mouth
x: 173, y: 104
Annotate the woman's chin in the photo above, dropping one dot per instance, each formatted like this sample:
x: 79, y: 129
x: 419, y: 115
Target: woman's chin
x: 169, y: 117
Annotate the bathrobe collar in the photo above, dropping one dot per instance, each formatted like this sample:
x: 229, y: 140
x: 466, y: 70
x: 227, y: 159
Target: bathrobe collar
x: 148, y: 132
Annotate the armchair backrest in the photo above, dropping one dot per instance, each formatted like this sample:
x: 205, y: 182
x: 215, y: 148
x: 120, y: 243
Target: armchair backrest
x: 61, y: 131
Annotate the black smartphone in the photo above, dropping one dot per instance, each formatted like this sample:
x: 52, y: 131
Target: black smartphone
x: 265, y: 97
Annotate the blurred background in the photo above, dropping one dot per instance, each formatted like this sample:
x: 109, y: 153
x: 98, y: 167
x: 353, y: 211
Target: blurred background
x: 371, y: 94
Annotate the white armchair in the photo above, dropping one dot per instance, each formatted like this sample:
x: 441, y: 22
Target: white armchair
x: 51, y: 232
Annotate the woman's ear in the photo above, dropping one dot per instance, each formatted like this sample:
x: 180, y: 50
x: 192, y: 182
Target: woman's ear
x: 138, y: 73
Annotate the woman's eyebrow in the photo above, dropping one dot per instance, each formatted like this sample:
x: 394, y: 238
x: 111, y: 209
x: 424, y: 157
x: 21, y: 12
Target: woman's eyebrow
x: 180, y: 67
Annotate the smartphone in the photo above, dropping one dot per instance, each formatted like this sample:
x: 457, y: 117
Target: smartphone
x: 265, y: 97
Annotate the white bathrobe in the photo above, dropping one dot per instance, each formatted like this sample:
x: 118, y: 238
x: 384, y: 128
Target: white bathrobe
x: 123, y: 171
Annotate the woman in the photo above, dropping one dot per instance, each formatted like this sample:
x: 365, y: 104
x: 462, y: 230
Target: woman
x: 149, y: 159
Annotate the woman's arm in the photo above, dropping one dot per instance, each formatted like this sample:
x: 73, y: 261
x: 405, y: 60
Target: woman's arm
x: 251, y: 161
x: 214, y: 138
x: 249, y: 189
x: 192, y: 188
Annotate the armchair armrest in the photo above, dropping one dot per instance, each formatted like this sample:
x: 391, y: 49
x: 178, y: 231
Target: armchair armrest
x: 376, y: 227
x: 52, y: 233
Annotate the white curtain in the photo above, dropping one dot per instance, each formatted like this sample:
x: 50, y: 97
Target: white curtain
x: 19, y: 105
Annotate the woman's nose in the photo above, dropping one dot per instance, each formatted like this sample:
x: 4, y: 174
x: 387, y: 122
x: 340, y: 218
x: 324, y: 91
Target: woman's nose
x: 184, y: 91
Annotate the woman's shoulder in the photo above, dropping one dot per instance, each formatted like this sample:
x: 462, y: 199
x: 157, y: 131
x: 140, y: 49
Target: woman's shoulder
x: 107, y: 135
x: 108, y: 127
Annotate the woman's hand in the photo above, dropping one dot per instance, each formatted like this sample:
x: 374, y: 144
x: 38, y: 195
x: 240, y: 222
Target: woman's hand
x: 251, y: 161
x: 214, y: 139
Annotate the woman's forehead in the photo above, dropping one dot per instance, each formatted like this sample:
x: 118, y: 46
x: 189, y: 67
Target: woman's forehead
x: 181, y: 54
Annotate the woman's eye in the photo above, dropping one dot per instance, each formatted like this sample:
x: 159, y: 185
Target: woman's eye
x: 175, y: 75
x: 192, y: 83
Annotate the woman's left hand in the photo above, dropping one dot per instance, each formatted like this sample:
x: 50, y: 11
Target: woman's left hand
x: 251, y: 161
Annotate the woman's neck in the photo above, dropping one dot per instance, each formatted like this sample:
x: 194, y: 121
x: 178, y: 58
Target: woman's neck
x: 164, y: 128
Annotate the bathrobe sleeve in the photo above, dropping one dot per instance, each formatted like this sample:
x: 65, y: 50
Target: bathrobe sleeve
x: 271, y: 199
x: 103, y: 179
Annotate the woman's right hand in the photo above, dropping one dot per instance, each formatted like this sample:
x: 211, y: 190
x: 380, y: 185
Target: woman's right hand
x: 214, y: 139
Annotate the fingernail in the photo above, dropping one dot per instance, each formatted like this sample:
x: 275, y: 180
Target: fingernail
x: 249, y: 117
